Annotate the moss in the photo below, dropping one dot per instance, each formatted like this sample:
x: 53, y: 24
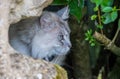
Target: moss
x: 61, y: 73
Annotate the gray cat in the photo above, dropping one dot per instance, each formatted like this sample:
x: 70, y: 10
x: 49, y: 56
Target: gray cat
x: 43, y: 37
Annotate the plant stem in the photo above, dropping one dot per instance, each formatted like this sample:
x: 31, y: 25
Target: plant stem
x: 99, y: 20
x: 117, y: 9
x: 107, y: 43
x: 117, y: 32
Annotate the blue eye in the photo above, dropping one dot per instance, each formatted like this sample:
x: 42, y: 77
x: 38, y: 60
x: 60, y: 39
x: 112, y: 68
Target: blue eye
x: 62, y: 37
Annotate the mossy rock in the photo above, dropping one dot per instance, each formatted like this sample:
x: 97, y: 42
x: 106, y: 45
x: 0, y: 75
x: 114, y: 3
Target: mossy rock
x: 61, y: 73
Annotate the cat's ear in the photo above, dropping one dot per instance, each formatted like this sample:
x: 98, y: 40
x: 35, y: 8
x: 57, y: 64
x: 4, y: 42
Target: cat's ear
x: 45, y: 18
x: 64, y: 13
x: 47, y: 21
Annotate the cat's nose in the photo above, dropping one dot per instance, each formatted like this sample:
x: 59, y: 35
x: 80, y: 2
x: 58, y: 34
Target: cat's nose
x: 70, y: 45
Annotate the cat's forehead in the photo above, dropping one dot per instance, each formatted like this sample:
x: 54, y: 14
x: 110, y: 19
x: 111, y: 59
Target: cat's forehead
x: 61, y: 24
x: 50, y: 15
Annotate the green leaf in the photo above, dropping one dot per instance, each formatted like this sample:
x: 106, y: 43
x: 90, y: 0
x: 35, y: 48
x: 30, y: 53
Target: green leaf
x: 90, y: 41
x: 60, y: 2
x: 109, y: 17
x: 100, y: 26
x: 89, y: 37
x: 92, y: 44
x: 114, y: 15
x: 89, y: 31
x: 93, y: 17
x: 114, y: 8
x: 97, y: 2
x: 107, y: 9
x: 86, y: 38
x: 76, y: 8
x: 106, y: 3
x: 96, y: 8
x: 86, y: 34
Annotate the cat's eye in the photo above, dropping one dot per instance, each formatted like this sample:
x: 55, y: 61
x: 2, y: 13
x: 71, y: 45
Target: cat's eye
x: 61, y: 37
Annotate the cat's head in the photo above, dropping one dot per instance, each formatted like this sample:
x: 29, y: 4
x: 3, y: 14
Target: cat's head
x: 57, y: 31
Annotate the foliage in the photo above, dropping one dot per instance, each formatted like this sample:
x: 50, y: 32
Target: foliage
x: 89, y: 37
x: 105, y: 13
x: 74, y: 5
x: 108, y: 13
x: 60, y: 2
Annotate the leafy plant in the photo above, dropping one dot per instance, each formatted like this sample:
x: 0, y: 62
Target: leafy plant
x: 90, y: 38
x: 74, y: 5
x: 105, y: 14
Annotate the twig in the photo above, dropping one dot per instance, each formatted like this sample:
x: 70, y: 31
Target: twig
x: 99, y: 19
x: 116, y: 34
x: 107, y: 43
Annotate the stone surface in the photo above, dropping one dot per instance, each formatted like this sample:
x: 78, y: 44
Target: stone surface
x: 17, y: 66
x: 20, y: 9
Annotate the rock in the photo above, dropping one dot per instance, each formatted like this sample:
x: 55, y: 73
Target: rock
x: 16, y: 66
x: 20, y: 9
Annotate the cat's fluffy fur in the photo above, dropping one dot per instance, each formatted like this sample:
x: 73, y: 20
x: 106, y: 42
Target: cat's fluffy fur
x: 41, y: 37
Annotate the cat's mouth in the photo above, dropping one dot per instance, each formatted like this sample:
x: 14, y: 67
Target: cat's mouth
x: 62, y: 50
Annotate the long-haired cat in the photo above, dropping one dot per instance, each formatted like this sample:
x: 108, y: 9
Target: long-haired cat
x: 42, y: 37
